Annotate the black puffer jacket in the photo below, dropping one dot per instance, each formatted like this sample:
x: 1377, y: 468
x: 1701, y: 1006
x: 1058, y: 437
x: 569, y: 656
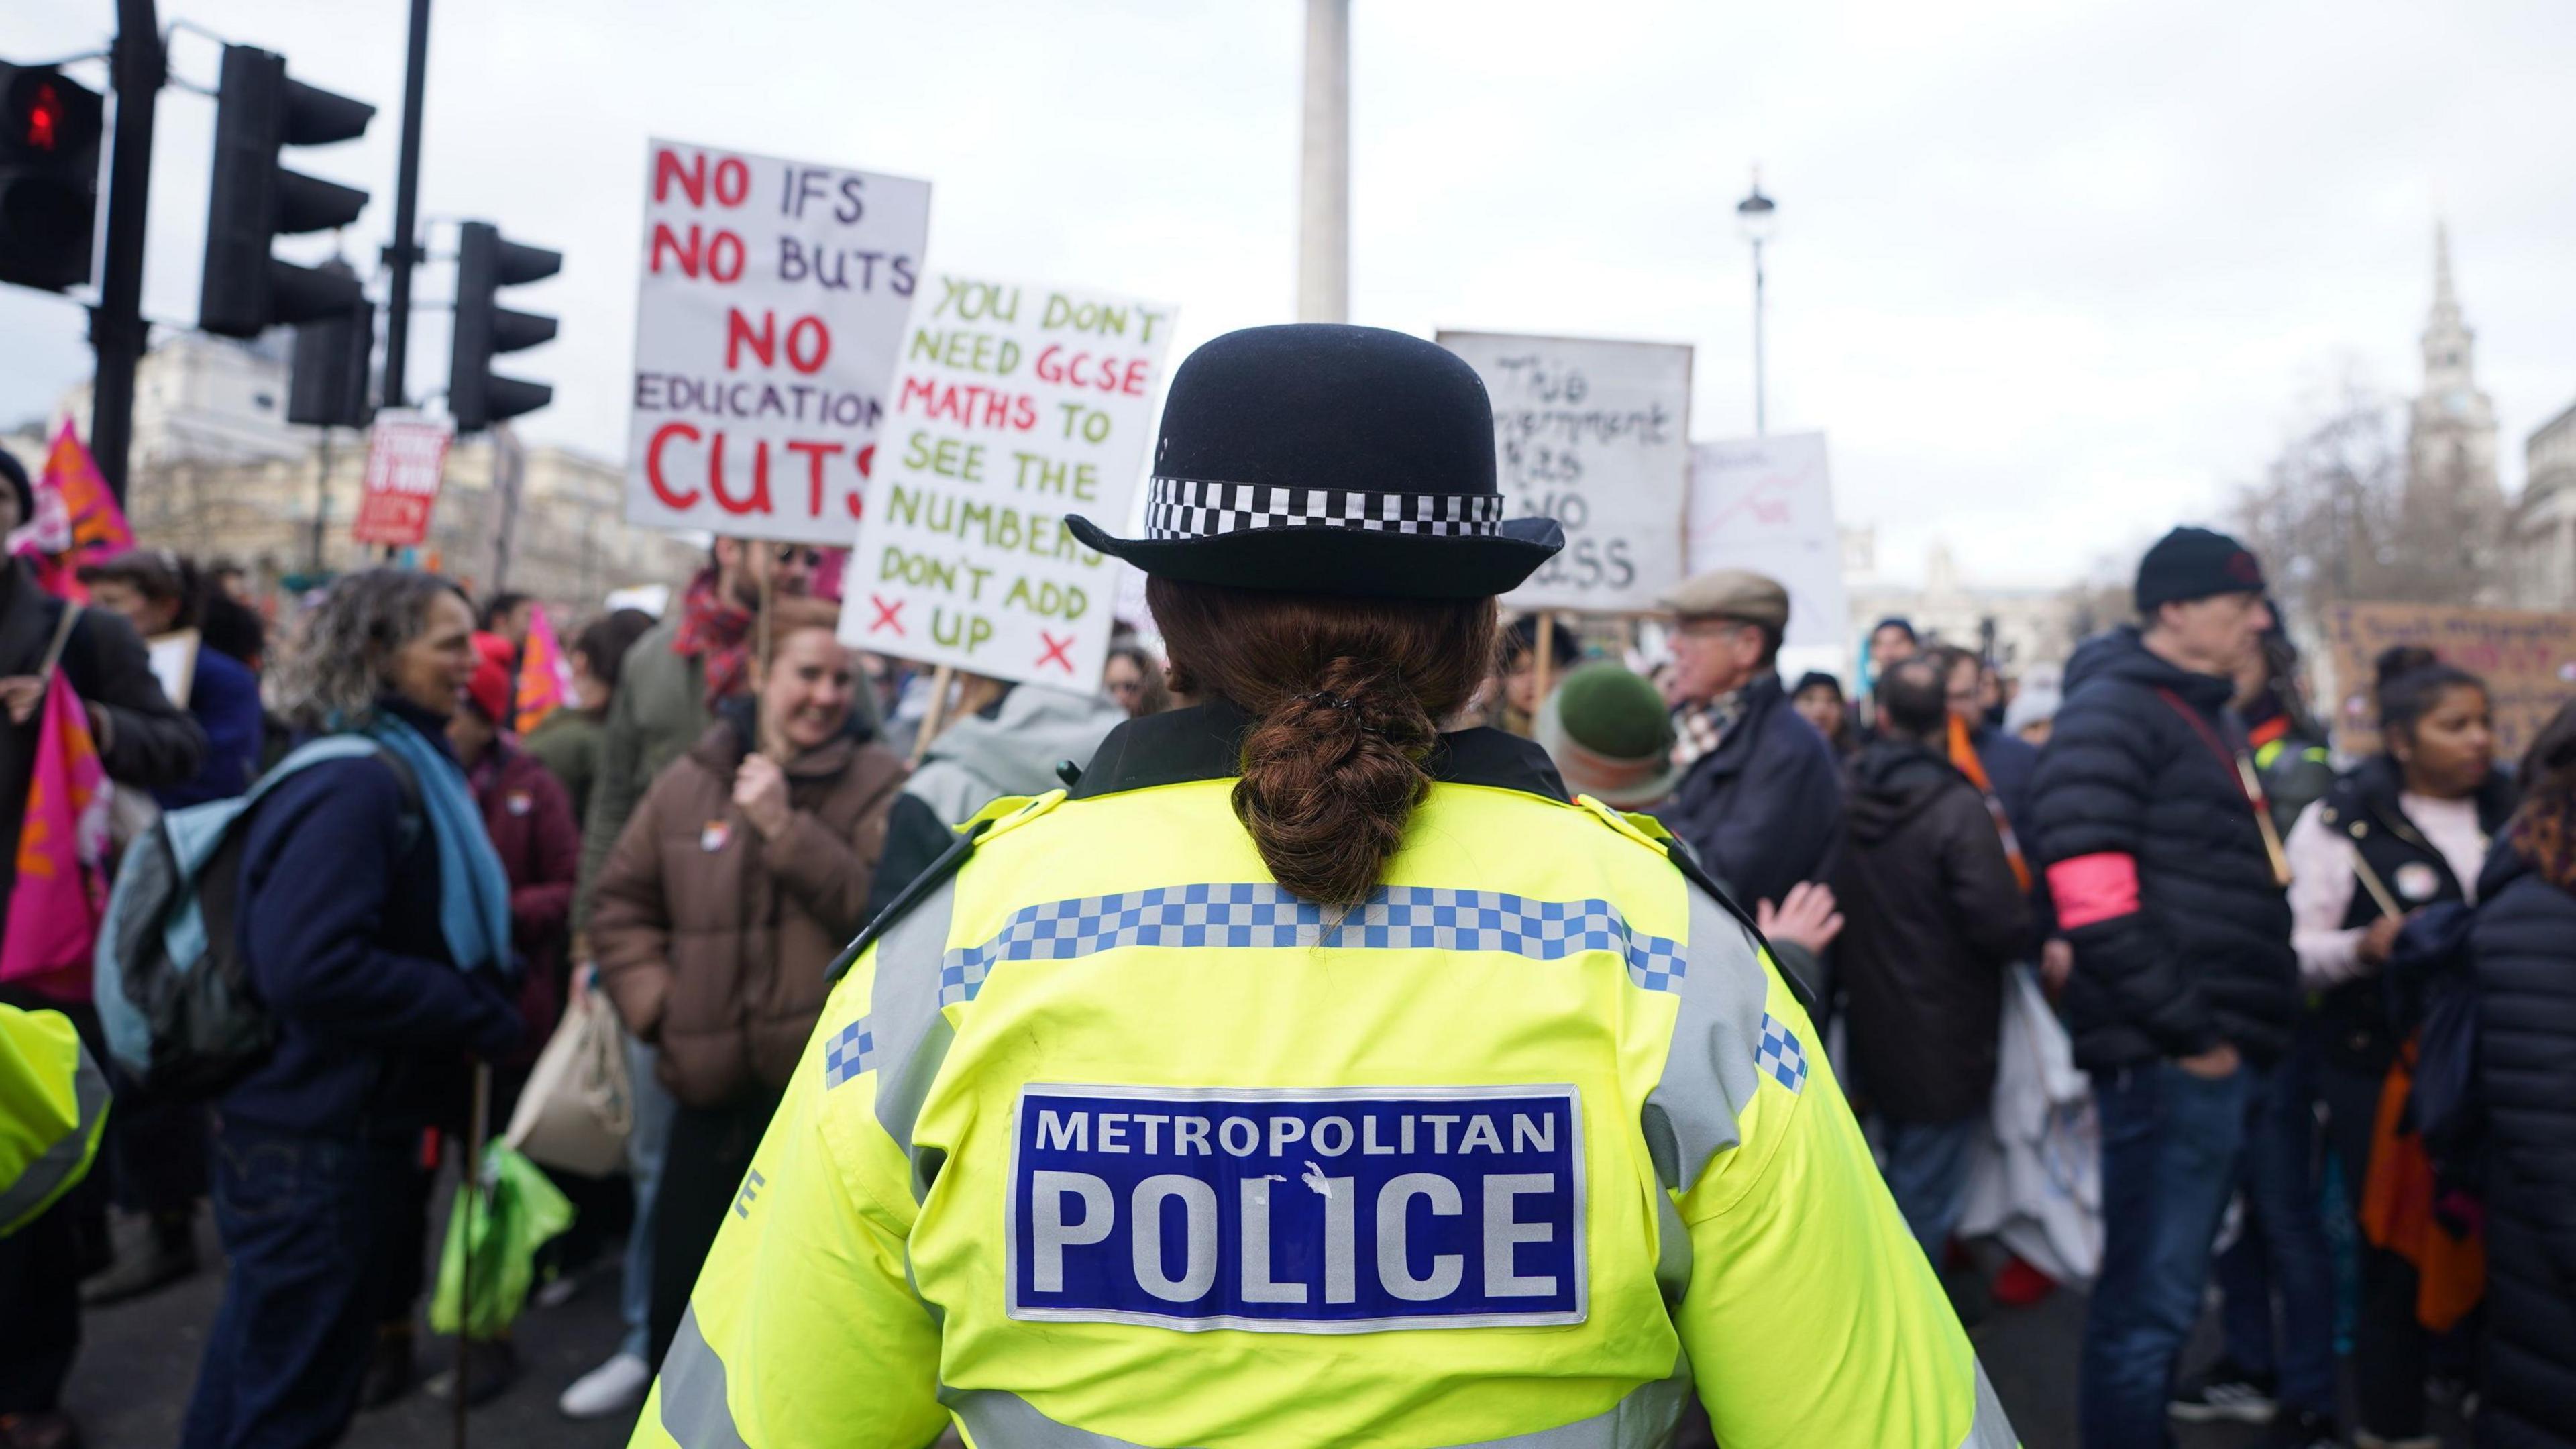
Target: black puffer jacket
x: 2139, y: 784
x: 2525, y: 940
x: 1933, y: 917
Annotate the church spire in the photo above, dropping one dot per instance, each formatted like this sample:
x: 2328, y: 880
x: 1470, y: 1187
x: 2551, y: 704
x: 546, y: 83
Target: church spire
x: 2447, y: 338
x: 2446, y: 302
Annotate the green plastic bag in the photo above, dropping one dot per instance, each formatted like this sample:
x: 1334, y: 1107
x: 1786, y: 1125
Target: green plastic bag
x: 500, y: 1228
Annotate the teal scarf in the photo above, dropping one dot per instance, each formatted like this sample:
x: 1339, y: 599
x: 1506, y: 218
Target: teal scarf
x: 474, y: 892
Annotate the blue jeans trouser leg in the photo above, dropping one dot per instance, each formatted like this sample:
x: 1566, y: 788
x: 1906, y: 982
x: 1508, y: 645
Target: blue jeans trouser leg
x: 2170, y: 1143
x: 288, y: 1352
x: 1927, y: 1174
x: 645, y: 1143
x: 2245, y: 1304
x: 2283, y: 1210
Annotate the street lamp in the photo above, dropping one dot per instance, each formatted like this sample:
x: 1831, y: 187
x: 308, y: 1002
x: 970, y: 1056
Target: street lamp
x: 1758, y: 219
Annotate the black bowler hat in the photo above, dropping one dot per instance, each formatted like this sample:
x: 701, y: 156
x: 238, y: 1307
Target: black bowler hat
x: 1324, y: 459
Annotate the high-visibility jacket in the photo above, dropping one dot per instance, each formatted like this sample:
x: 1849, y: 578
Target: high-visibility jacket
x: 1105, y: 1139
x: 53, y: 1105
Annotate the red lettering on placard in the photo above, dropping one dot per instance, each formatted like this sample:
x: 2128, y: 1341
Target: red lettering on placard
x: 653, y: 465
x: 758, y: 502
x: 1055, y: 648
x: 739, y: 335
x: 814, y: 454
x: 733, y: 176
x: 886, y: 614
x: 699, y: 253
x: 691, y: 174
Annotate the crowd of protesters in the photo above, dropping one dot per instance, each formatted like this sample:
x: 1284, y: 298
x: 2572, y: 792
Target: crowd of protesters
x: 2255, y: 956
x: 2341, y: 999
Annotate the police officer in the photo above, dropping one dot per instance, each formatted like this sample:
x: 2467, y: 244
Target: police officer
x: 1303, y: 1075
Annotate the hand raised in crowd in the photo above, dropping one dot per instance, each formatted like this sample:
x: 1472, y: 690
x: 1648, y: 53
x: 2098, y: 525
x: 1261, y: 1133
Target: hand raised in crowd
x: 1805, y: 917
x: 21, y: 693
x: 2380, y: 939
x: 760, y: 792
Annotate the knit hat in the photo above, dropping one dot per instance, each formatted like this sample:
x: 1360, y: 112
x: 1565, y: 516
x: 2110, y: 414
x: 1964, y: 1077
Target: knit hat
x: 2033, y: 705
x: 1813, y: 678
x: 2194, y: 563
x: 1607, y: 729
x: 489, y: 690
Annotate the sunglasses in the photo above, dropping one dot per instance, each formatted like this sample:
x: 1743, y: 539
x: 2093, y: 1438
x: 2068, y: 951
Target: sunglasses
x: 788, y: 553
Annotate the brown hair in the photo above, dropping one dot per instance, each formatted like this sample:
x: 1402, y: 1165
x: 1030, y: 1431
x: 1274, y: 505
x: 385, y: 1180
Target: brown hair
x: 789, y: 613
x: 2545, y: 824
x: 1346, y: 695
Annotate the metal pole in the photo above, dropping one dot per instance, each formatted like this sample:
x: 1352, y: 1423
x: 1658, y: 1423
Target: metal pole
x: 1324, y: 170
x: 116, y: 331
x: 406, y: 245
x: 322, y: 501
x: 1759, y: 428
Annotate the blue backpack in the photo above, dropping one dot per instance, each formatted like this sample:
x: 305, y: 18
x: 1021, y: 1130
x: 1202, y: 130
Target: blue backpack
x: 173, y: 991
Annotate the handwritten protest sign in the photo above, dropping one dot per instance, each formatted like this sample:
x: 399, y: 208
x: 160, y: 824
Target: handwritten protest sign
x: 406, y: 459
x: 1015, y: 406
x: 2527, y: 660
x: 1595, y: 435
x: 773, y: 299
x: 1767, y: 504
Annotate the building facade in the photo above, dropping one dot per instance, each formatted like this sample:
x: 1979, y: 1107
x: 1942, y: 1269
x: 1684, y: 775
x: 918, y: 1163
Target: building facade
x: 218, y: 472
x: 2541, y: 542
x: 2452, y: 513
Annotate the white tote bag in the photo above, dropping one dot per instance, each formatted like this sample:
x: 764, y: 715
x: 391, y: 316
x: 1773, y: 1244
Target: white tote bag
x: 577, y: 1110
x: 2036, y: 1181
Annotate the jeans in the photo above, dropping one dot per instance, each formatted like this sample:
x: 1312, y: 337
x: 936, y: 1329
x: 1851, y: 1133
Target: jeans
x: 2170, y: 1146
x: 646, y: 1142
x: 302, y: 1221
x: 2283, y: 1247
x: 1927, y: 1174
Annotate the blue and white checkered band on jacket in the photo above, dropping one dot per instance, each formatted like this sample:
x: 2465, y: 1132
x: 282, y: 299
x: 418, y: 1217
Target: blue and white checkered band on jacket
x: 1196, y: 508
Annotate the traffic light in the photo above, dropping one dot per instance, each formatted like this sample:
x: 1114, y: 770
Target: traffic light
x: 484, y: 265
x: 258, y: 111
x: 328, y: 374
x: 49, y: 129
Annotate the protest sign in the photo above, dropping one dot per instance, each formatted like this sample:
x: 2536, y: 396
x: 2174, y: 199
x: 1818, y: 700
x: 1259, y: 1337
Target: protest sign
x: 96, y: 527
x: 1016, y: 405
x: 406, y: 460
x: 2528, y: 661
x: 1767, y: 504
x: 1595, y: 435
x: 772, y: 301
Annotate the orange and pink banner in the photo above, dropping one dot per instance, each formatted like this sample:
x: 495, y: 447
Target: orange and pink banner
x: 545, y: 676
x: 60, y: 894
x: 77, y: 520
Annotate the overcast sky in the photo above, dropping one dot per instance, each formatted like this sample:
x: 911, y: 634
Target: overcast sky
x: 2050, y: 276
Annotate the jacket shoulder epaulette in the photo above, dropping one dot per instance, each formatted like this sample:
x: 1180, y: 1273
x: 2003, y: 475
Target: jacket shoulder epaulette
x: 1006, y: 813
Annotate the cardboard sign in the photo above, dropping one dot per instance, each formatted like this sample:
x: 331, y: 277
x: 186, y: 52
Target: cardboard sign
x: 1595, y: 435
x: 773, y: 299
x: 1767, y: 504
x: 1015, y: 406
x: 406, y: 459
x: 2527, y: 660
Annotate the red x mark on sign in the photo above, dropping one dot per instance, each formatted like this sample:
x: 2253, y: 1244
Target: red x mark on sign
x: 886, y: 614
x: 1055, y: 654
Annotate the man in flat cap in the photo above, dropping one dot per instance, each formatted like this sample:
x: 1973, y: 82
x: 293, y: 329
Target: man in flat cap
x: 1760, y: 800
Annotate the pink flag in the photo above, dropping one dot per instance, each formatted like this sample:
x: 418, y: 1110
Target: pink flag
x: 61, y: 891
x: 98, y: 527
x: 545, y: 676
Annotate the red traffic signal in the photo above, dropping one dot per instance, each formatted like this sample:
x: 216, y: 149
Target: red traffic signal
x: 49, y: 131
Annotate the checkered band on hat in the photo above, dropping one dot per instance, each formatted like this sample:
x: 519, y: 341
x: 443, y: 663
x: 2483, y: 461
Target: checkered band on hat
x: 1197, y: 508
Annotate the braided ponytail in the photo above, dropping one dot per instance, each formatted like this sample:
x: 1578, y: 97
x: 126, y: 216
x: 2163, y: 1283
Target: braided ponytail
x: 1346, y: 697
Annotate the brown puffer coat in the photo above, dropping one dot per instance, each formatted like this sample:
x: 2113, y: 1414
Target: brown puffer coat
x: 713, y: 941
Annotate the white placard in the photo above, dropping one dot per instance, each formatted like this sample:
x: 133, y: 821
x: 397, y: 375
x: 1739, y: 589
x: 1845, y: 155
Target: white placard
x: 772, y: 302
x: 1015, y: 405
x: 1767, y: 504
x: 1595, y: 435
x: 173, y: 657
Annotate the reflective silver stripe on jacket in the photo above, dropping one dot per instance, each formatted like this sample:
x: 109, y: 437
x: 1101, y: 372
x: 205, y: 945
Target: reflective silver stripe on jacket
x: 694, y: 1411
x: 1991, y: 1430
x: 1643, y: 1420
x: 908, y: 1036
x: 62, y: 1161
x: 1710, y: 1072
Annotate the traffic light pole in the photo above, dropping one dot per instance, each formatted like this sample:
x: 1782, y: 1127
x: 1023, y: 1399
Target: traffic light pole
x: 406, y: 247
x: 116, y: 329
